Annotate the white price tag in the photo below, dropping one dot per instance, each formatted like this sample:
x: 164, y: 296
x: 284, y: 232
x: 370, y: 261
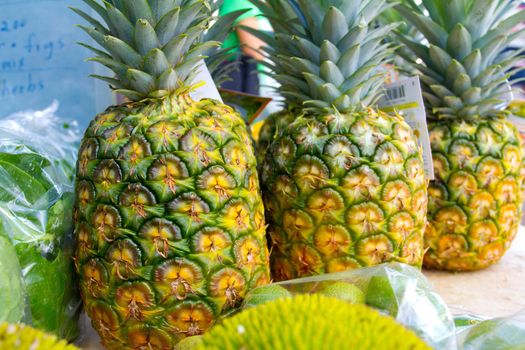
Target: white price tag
x: 405, y: 97
x: 518, y: 122
x: 208, y: 89
x: 507, y: 97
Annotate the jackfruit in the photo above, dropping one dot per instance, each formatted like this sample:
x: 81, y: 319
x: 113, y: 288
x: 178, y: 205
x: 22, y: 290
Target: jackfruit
x: 309, y: 322
x: 20, y: 337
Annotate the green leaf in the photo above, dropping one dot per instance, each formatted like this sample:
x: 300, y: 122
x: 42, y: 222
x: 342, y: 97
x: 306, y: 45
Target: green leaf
x: 174, y: 50
x: 51, y: 289
x: 472, y: 96
x: 472, y: 63
x: 114, y: 83
x: 329, y: 52
x: 453, y: 71
x: 169, y: 80
x: 334, y: 25
x: 122, y: 25
x: 314, y: 82
x: 461, y: 84
x: 309, y: 50
x: 167, y: 26
x: 139, y: 10
x: 145, y: 37
x: 440, y: 58
x: 431, y: 30
x: 12, y: 293
x: 159, y: 8
x: 355, y: 36
x: 122, y: 51
x: 349, y: 60
x: 98, y: 26
x: 141, y: 81
x: 25, y: 173
x: 188, y: 16
x: 156, y: 63
x: 99, y: 9
x: 459, y: 42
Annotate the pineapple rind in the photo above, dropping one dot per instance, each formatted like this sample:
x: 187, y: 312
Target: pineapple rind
x: 475, y: 203
x: 344, y: 191
x: 170, y: 220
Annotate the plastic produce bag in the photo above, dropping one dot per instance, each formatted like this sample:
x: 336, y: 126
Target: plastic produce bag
x: 37, y: 160
x: 398, y: 290
x: 494, y: 334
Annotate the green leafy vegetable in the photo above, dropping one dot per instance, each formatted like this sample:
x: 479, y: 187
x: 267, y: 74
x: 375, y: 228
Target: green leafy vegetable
x: 11, y: 287
x: 37, y: 281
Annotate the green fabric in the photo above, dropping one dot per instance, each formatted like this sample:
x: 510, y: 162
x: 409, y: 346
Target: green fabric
x: 229, y: 6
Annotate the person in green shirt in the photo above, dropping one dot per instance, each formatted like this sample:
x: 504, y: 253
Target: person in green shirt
x: 245, y: 44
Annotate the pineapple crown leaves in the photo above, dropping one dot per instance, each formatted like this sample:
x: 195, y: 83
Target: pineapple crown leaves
x: 464, y: 66
x: 153, y: 46
x: 326, y: 53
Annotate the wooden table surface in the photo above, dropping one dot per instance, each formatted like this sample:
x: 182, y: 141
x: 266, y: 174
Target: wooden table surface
x: 495, y: 292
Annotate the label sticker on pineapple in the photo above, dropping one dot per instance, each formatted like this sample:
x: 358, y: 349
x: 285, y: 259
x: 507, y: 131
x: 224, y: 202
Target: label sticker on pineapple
x: 206, y: 86
x: 507, y: 97
x: 406, y: 97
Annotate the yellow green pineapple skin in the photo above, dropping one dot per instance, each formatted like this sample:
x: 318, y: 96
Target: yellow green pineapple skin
x: 343, y: 191
x: 274, y: 124
x: 475, y: 202
x: 169, y: 220
x: 466, y: 75
x: 21, y: 337
x: 517, y: 107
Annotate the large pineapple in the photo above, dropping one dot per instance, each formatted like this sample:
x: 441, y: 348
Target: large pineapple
x: 271, y: 127
x: 169, y: 217
x: 475, y: 201
x: 344, y: 184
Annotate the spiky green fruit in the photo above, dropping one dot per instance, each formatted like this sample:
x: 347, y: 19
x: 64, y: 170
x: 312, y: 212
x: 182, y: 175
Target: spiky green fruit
x: 311, y: 322
x: 20, y: 337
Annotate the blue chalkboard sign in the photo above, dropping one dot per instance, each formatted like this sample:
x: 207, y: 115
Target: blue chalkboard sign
x: 40, y: 60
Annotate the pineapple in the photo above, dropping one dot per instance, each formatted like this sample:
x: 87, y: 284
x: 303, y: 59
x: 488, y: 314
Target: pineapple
x: 475, y: 201
x: 344, y: 183
x: 270, y: 128
x: 169, y: 217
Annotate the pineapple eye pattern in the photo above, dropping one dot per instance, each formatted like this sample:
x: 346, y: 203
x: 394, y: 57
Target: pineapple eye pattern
x: 169, y: 220
x: 351, y: 197
x: 475, y: 201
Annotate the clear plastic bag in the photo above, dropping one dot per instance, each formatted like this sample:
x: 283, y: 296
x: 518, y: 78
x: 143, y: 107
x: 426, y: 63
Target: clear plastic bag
x: 398, y: 290
x: 492, y: 334
x: 37, y: 161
